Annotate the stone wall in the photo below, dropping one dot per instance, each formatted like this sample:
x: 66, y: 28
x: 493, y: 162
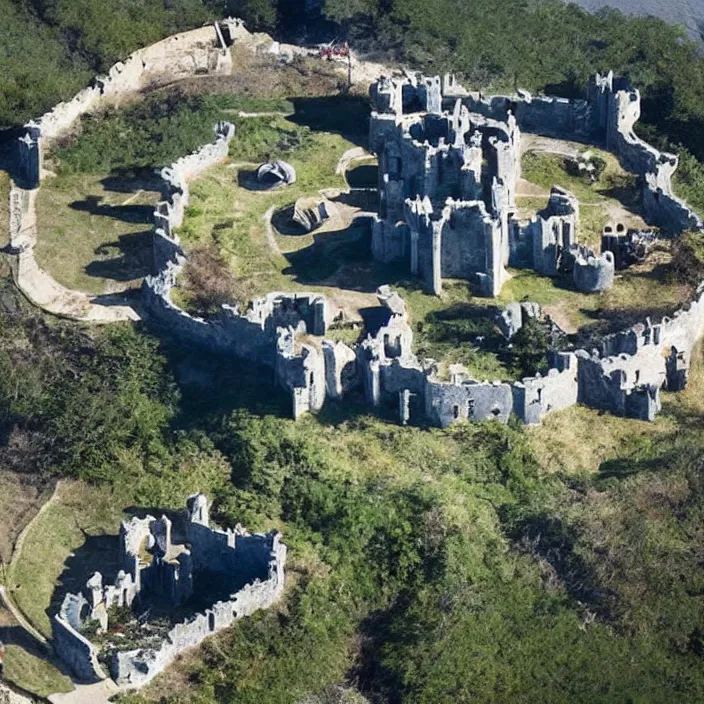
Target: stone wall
x: 134, y: 668
x: 249, y: 335
x: 448, y: 402
x: 76, y: 651
x: 302, y: 374
x: 252, y: 566
x: 662, y: 206
x: 623, y: 376
x: 607, y: 117
x: 449, y: 163
x: 198, y: 51
x: 536, y: 397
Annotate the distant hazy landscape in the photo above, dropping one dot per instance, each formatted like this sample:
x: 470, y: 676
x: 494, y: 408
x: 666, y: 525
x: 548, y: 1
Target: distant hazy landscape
x: 689, y: 13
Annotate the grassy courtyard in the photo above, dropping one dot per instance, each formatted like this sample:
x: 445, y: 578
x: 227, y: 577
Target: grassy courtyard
x: 613, y: 197
x: 95, y: 231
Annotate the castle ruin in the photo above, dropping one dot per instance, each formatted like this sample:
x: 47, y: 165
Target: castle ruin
x: 165, y: 565
x: 449, y: 164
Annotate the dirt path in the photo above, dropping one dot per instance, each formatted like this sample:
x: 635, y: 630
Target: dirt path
x: 273, y: 113
x: 7, y: 602
x: 547, y: 145
x: 98, y: 693
x: 270, y: 234
x: 348, y: 157
x: 82, y: 694
x: 5, y: 596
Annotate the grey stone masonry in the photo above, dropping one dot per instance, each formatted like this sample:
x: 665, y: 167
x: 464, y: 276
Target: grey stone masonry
x: 448, y: 170
x: 449, y: 164
x: 158, y: 566
x: 447, y: 190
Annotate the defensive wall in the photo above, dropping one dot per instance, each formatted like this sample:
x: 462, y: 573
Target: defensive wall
x: 623, y: 376
x: 197, y: 52
x: 158, y: 567
x: 607, y: 117
x: 449, y: 163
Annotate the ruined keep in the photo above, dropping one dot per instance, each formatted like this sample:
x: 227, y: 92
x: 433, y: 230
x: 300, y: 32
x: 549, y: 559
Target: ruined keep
x: 449, y: 161
x: 165, y: 566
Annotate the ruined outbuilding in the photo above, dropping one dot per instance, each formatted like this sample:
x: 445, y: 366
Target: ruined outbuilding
x: 165, y: 566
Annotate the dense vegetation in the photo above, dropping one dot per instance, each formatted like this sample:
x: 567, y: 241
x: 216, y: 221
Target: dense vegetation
x: 161, y: 129
x: 50, y: 48
x: 425, y: 565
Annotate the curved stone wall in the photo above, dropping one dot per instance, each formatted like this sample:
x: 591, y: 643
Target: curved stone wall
x: 624, y: 377
x: 607, y: 117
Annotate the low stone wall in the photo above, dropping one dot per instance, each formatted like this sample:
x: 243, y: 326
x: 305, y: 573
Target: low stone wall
x: 623, y: 376
x: 198, y: 51
x: 176, y: 57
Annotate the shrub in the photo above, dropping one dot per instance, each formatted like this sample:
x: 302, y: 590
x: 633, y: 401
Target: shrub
x: 688, y: 258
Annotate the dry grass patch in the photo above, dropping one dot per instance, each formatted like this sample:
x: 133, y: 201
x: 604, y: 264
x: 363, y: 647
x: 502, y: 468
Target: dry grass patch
x: 4, y: 208
x: 94, y: 233
x: 80, y: 511
x: 580, y: 439
x: 263, y: 76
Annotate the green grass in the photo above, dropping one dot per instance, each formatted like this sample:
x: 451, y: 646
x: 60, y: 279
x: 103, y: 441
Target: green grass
x: 614, y: 196
x: 348, y: 335
x: 92, y: 237
x: 223, y: 214
x: 34, y: 674
x: 230, y: 217
x: 637, y: 293
x: 547, y: 170
x: 78, y: 512
x: 251, y: 104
